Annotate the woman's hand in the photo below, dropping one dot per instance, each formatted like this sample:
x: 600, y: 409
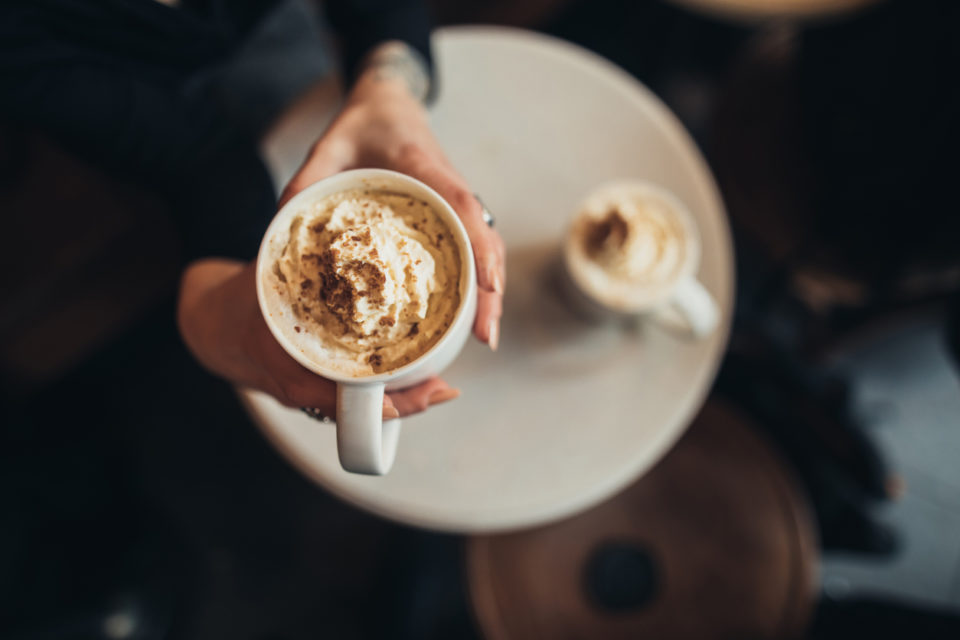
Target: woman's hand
x: 383, y: 125
x: 220, y: 320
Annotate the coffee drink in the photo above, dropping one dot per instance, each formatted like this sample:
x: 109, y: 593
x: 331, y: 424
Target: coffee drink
x: 363, y: 281
x: 629, y: 245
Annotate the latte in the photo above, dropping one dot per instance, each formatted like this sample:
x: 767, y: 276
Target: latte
x: 363, y: 281
x: 629, y: 245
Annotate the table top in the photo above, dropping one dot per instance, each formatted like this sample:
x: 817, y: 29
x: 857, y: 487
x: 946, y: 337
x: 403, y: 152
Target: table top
x: 565, y: 414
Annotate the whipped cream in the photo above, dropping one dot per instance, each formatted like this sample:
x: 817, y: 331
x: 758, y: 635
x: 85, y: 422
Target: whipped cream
x: 367, y: 266
x: 371, y: 277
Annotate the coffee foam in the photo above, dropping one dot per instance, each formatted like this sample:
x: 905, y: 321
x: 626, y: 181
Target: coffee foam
x: 629, y: 244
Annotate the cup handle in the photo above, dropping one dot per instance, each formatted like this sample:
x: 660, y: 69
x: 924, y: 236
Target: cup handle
x: 365, y: 442
x: 691, y: 311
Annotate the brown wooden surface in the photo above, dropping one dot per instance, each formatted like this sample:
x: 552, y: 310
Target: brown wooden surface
x: 725, y: 522
x: 776, y: 9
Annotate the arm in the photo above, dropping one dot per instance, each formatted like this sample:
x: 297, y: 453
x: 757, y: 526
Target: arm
x: 364, y: 25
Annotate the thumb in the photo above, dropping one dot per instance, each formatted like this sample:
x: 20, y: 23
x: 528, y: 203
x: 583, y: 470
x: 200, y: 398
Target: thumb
x: 327, y: 157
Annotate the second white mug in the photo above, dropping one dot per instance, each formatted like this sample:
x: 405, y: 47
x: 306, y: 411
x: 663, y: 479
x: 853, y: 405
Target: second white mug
x: 680, y: 303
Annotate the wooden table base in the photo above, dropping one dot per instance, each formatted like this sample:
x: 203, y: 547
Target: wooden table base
x: 715, y: 542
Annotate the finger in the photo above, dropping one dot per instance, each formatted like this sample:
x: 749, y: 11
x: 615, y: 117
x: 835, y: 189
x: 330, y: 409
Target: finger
x: 418, y: 398
x: 486, y: 326
x: 307, y: 389
x: 487, y: 245
x: 502, y: 258
x: 327, y: 157
x: 389, y: 410
x: 303, y: 388
x: 287, y: 380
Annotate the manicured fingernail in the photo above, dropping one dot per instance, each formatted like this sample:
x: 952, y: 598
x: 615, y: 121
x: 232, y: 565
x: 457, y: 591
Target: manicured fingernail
x: 494, y: 279
x: 442, y: 395
x: 389, y: 413
x: 493, y: 333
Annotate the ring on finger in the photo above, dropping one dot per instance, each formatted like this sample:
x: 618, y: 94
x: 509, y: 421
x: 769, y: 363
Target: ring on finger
x: 485, y: 214
x: 316, y: 414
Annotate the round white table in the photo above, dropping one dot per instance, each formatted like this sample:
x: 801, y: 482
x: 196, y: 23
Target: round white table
x: 565, y: 414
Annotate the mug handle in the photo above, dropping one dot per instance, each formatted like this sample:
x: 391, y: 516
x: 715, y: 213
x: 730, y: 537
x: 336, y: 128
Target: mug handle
x: 365, y: 442
x: 691, y: 311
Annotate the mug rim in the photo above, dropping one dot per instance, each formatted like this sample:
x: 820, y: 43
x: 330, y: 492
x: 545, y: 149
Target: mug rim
x: 353, y: 179
x: 694, y: 245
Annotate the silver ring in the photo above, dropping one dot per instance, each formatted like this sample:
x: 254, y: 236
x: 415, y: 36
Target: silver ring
x: 485, y: 215
x: 316, y: 414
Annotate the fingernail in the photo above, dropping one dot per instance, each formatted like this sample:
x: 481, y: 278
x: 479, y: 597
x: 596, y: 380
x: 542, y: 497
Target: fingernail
x: 493, y: 333
x: 442, y: 395
x: 494, y: 279
x: 390, y: 413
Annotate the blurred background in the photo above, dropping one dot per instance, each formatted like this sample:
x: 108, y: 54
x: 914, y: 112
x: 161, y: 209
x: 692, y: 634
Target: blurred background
x: 146, y: 504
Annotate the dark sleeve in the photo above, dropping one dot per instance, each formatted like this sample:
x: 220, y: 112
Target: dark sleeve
x: 363, y: 24
x: 140, y: 129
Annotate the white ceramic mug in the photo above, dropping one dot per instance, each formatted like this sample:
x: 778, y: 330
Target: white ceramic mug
x: 682, y: 305
x: 365, y: 443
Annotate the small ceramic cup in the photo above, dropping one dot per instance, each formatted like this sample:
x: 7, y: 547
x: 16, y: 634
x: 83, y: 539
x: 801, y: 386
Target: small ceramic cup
x: 680, y: 303
x: 366, y: 444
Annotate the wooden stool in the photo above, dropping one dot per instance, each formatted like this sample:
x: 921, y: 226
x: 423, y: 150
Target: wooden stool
x: 715, y: 542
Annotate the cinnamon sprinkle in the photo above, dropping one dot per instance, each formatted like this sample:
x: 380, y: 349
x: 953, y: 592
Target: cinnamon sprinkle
x: 608, y: 233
